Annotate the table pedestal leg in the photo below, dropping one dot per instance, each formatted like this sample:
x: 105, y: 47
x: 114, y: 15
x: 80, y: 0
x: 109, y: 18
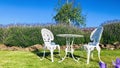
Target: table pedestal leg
x: 70, y: 50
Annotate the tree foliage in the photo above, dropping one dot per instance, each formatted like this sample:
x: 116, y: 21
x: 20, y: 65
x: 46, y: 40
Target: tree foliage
x: 69, y: 14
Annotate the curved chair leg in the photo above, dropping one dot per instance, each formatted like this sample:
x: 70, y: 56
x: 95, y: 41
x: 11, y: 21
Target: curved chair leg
x: 88, y: 56
x: 98, y: 49
x: 43, y: 54
x: 51, y: 51
x: 87, y: 48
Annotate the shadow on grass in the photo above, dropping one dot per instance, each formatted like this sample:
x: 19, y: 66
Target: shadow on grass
x: 47, y: 54
x: 76, y: 56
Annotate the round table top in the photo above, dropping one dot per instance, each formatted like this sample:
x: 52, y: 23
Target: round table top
x: 69, y: 35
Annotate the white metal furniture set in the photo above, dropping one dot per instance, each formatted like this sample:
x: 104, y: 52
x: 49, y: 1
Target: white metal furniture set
x: 48, y: 44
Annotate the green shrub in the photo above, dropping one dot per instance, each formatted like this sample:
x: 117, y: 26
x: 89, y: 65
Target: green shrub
x: 111, y: 33
x: 1, y: 34
x: 24, y: 36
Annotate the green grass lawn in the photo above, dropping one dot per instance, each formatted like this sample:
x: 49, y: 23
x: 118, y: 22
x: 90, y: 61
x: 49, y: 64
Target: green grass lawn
x: 21, y: 59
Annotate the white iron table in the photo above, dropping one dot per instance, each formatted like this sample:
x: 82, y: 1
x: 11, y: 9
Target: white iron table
x: 69, y: 44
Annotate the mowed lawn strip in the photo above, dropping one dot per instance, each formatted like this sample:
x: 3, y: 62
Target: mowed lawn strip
x: 22, y: 59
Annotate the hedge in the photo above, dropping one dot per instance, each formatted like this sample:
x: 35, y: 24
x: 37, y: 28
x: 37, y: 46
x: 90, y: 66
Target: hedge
x: 24, y: 36
x: 111, y: 33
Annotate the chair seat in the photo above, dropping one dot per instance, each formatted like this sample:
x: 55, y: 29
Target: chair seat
x: 53, y: 43
x: 92, y: 44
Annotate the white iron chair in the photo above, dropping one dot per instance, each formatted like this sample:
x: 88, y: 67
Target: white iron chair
x: 48, y: 37
x: 95, y: 38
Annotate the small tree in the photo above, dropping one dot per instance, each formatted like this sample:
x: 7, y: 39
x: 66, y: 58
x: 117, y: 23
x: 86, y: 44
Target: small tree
x: 68, y: 14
